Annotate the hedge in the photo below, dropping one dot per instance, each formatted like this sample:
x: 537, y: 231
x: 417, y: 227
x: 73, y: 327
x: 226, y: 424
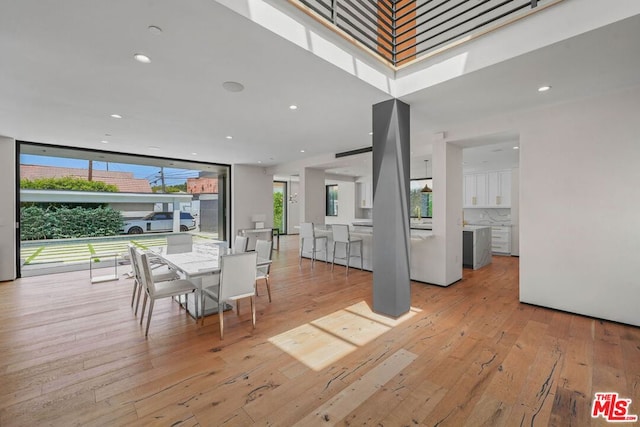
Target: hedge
x: 67, y: 183
x: 37, y: 223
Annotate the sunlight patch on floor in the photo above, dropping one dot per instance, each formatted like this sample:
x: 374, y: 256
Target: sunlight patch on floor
x: 324, y: 341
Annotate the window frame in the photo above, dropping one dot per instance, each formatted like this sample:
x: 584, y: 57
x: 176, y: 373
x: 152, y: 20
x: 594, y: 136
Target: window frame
x: 331, y: 209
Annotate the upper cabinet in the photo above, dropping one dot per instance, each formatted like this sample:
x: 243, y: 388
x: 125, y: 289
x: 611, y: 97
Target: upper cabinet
x: 475, y: 190
x: 499, y: 189
x: 487, y: 190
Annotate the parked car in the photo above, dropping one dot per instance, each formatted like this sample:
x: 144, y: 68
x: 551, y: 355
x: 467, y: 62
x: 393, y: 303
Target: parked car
x: 158, y: 222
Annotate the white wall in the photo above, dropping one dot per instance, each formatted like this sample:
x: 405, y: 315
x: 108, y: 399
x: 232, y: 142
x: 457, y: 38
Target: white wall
x: 346, y: 203
x: 579, y: 204
x: 515, y: 211
x: 312, y: 196
x: 8, y: 215
x: 251, y: 194
x: 444, y: 249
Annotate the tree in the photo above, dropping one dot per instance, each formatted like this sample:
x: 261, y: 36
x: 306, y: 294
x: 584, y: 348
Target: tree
x: 278, y: 210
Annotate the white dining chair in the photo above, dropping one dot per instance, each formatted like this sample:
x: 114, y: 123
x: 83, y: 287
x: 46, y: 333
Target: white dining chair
x: 264, y: 251
x: 237, y: 281
x: 157, y: 290
x: 161, y: 273
x: 240, y: 244
x: 341, y: 236
x: 308, y: 236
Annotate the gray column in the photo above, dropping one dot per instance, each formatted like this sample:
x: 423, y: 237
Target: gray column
x: 391, y: 160
x: 8, y: 267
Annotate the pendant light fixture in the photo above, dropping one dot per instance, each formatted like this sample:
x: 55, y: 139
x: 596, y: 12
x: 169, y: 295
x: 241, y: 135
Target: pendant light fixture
x: 426, y: 188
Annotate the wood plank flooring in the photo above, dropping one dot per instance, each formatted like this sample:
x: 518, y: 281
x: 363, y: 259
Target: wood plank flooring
x: 73, y: 353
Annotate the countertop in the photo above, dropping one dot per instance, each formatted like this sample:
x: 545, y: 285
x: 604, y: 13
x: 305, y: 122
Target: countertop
x: 474, y: 227
x: 494, y: 224
x: 413, y: 226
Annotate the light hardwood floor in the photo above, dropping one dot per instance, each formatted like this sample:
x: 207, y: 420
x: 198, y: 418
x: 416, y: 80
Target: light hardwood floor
x: 73, y: 353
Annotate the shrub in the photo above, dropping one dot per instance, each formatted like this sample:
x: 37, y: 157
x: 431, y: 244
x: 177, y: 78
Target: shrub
x: 64, y: 222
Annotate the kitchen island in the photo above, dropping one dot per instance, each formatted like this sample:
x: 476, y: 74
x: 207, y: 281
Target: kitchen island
x: 419, y: 249
x: 476, y: 246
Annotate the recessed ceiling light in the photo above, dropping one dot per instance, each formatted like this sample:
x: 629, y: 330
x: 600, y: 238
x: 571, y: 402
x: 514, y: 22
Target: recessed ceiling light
x: 259, y: 161
x: 104, y: 141
x: 194, y: 154
x: 516, y: 148
x: 544, y: 88
x: 233, y: 86
x: 302, y: 151
x: 140, y: 57
x: 370, y: 133
x: 153, y: 147
x: 293, y: 107
x: 229, y: 137
x: 116, y: 116
x: 154, y: 30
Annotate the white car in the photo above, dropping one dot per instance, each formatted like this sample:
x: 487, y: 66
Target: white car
x: 158, y: 222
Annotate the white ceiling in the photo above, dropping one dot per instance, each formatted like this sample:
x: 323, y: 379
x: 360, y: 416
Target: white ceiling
x: 66, y: 66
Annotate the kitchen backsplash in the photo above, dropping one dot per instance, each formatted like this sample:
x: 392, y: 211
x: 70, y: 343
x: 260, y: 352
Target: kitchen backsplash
x: 487, y: 216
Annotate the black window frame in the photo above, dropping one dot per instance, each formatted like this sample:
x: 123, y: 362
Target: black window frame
x: 331, y: 209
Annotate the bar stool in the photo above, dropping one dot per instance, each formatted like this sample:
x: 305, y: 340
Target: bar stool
x: 308, y: 233
x: 341, y: 235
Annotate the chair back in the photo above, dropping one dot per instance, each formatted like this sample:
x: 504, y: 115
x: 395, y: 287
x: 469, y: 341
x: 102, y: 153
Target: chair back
x: 340, y: 233
x: 179, y: 243
x: 145, y: 271
x: 263, y: 250
x: 240, y: 244
x: 135, y: 265
x: 307, y: 230
x: 237, y: 275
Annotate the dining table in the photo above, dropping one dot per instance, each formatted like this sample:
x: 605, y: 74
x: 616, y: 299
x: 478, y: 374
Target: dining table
x: 202, y: 267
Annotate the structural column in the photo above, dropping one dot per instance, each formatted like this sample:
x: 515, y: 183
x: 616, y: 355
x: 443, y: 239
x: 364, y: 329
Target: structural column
x: 391, y: 239
x: 8, y: 267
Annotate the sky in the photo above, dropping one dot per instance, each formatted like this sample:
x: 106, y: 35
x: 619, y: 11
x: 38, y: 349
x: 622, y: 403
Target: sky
x: 172, y: 176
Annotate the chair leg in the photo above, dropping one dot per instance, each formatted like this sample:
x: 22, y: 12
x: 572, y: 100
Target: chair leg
x: 144, y: 306
x: 333, y: 258
x: 253, y: 312
x: 135, y: 288
x: 221, y: 317
x: 238, y: 307
x: 146, y: 333
x: 202, y: 308
x: 138, y: 298
x: 361, y: 261
x: 313, y: 251
x: 195, y: 305
x: 348, y: 256
x: 266, y: 280
x: 301, y: 249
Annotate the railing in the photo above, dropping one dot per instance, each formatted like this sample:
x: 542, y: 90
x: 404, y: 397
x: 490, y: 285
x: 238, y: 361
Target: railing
x: 400, y: 31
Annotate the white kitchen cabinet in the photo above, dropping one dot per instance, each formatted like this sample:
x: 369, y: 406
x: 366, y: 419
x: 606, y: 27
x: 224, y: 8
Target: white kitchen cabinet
x: 365, y: 195
x: 487, y: 190
x: 475, y: 190
x: 499, y: 183
x: 501, y: 240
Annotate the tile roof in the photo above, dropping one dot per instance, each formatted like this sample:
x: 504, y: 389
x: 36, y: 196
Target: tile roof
x: 125, y: 181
